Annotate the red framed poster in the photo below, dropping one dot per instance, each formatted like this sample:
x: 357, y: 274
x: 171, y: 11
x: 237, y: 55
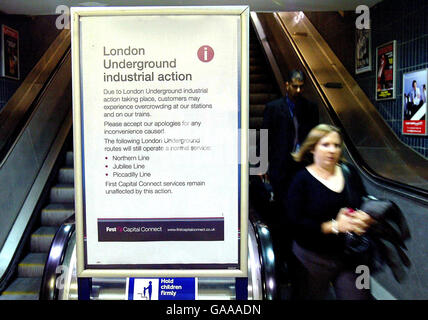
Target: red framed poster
x: 10, y: 52
x: 385, y: 71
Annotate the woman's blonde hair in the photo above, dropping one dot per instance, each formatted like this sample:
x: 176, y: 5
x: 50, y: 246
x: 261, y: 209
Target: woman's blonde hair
x: 316, y: 134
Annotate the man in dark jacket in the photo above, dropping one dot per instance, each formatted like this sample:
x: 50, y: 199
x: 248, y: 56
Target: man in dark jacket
x: 288, y: 119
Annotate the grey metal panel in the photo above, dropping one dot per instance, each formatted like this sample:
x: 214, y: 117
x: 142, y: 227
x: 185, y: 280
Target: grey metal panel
x: 19, y: 170
x: 16, y: 178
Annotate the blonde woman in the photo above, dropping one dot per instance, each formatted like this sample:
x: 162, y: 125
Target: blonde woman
x: 319, y: 211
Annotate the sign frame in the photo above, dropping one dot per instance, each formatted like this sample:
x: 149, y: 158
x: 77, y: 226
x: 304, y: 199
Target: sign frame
x: 243, y: 99
x: 393, y: 69
x: 406, y: 101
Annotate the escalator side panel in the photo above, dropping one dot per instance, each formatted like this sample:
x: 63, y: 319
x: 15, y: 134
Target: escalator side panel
x: 18, y: 173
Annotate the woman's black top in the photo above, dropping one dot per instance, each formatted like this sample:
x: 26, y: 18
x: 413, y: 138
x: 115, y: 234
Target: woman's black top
x: 310, y: 203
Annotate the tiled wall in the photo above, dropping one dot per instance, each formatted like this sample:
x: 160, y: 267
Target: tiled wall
x: 7, y: 88
x: 403, y: 21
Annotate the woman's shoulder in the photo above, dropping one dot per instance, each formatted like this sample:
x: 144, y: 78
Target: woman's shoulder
x: 301, y: 176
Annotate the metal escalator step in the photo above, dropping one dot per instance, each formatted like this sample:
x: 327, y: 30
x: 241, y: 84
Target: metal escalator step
x: 262, y: 98
x: 32, y: 265
x: 253, y: 60
x: 62, y: 193
x: 41, y: 239
x: 55, y: 214
x: 66, y: 175
x: 258, y: 68
x: 256, y: 53
x: 69, y: 159
x: 256, y: 122
x: 259, y: 78
x: 256, y: 110
x: 261, y: 88
x: 23, y: 289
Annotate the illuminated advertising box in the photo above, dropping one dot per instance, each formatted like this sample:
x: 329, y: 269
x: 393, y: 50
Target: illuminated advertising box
x: 415, y: 103
x: 160, y: 102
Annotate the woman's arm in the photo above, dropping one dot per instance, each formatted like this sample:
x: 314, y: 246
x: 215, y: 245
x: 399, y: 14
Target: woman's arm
x: 343, y: 223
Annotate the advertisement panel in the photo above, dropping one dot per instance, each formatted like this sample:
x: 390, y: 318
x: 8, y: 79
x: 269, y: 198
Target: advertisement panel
x: 415, y: 102
x: 363, y: 57
x: 160, y: 123
x: 10, y: 52
x: 385, y: 71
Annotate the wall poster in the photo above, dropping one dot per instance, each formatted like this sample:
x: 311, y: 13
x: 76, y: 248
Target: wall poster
x: 363, y: 56
x: 415, y: 102
x: 385, y: 71
x: 10, y: 52
x: 160, y: 131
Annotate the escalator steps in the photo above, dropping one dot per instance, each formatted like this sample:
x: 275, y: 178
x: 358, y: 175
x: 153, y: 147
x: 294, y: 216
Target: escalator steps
x: 30, y: 270
x: 259, y: 77
x: 62, y: 193
x: 69, y: 159
x: 257, y: 110
x: 56, y: 213
x: 66, y: 175
x: 261, y: 88
x: 262, y: 98
x: 42, y: 238
x: 23, y: 289
x: 32, y: 265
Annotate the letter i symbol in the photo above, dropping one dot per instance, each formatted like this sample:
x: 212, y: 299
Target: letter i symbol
x: 205, y: 53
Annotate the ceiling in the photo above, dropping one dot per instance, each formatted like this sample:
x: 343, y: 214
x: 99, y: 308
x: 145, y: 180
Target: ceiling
x: 46, y: 7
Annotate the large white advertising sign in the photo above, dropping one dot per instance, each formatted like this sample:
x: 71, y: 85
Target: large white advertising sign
x: 159, y: 116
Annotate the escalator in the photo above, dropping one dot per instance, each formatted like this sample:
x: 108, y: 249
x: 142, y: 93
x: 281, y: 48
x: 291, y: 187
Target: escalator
x: 60, y: 206
x: 263, y: 87
x: 37, y: 169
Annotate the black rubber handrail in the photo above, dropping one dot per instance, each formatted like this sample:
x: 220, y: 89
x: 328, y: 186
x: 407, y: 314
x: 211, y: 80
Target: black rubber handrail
x: 57, y: 251
x: 264, y: 244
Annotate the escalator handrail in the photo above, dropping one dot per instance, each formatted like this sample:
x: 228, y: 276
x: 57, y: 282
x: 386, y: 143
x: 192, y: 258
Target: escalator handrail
x: 59, y: 247
x: 9, y: 138
x: 266, y: 254
x: 57, y: 251
x: 413, y: 192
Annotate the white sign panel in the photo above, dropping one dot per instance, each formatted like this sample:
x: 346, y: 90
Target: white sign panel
x: 160, y: 110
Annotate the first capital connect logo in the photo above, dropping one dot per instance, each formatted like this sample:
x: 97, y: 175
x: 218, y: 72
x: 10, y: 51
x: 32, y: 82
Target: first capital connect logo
x: 205, y: 53
x: 114, y: 229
